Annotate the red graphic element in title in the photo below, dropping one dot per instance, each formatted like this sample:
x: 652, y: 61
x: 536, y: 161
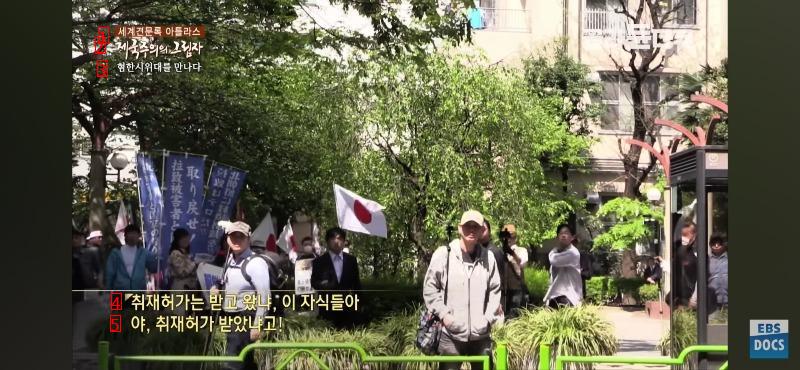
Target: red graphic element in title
x: 115, y: 323
x: 115, y: 301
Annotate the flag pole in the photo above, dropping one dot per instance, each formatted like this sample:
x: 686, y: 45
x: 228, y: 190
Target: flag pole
x: 160, y: 223
x: 202, y: 208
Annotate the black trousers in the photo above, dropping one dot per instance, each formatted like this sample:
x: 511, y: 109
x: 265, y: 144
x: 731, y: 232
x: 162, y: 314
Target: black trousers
x: 515, y: 300
x: 236, y: 341
x: 559, y: 302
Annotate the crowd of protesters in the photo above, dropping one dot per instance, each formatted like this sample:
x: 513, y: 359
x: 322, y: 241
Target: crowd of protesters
x: 471, y: 283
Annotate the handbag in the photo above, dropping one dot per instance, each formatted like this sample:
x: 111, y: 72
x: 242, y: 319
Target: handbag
x: 430, y: 325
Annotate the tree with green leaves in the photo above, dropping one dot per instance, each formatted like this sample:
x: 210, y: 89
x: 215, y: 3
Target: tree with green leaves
x: 555, y: 73
x: 451, y: 134
x: 243, y: 36
x: 709, y: 81
x: 636, y: 67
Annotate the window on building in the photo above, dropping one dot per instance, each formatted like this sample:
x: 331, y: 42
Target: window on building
x: 616, y: 98
x: 685, y: 12
x: 600, y: 18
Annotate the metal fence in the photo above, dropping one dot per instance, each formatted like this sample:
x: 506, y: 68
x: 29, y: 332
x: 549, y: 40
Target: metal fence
x: 105, y: 358
x: 300, y: 349
x: 545, y: 362
x: 599, y: 22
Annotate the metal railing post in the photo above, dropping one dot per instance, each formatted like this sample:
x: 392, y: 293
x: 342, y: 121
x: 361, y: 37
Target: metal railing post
x: 501, y: 356
x: 544, y: 357
x: 102, y: 355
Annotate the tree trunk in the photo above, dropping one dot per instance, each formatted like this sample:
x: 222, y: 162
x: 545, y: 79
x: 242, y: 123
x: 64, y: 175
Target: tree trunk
x: 572, y: 220
x: 417, y: 236
x: 631, y: 159
x: 375, y: 264
x: 97, y: 190
x: 98, y: 220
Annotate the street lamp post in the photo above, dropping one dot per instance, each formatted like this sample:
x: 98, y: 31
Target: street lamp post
x: 119, y: 161
x: 654, y: 196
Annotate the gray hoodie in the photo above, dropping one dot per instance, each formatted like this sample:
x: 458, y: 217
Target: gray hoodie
x: 473, y: 292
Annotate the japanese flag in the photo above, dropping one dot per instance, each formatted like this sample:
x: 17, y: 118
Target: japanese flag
x: 359, y: 214
x: 264, y: 235
x: 122, y: 222
x: 286, y: 240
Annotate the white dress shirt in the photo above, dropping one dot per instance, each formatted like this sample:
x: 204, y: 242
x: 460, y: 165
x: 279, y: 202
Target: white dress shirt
x: 338, y: 264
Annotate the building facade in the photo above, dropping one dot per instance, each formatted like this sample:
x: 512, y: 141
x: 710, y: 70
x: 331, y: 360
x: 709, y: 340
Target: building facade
x: 695, y: 34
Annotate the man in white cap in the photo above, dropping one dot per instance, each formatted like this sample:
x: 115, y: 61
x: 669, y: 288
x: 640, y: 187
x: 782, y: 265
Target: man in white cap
x: 462, y: 288
x: 243, y: 276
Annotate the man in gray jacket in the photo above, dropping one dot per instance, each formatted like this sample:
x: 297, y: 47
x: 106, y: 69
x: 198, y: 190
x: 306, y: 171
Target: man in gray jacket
x: 464, y: 294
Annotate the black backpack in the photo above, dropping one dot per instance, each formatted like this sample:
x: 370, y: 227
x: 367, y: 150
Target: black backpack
x: 278, y: 268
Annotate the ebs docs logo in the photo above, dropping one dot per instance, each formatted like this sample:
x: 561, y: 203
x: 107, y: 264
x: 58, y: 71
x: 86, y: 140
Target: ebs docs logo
x: 769, y: 339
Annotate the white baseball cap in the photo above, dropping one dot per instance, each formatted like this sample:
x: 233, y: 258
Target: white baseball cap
x: 95, y: 234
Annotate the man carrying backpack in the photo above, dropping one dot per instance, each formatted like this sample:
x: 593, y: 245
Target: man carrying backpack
x: 244, y: 274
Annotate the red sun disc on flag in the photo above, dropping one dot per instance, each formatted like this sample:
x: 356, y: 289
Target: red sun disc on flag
x: 362, y: 213
x: 272, y: 246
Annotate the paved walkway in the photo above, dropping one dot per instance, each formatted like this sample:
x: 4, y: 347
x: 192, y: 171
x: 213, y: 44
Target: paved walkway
x: 637, y: 335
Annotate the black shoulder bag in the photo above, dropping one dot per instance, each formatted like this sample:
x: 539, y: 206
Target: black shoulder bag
x: 430, y: 326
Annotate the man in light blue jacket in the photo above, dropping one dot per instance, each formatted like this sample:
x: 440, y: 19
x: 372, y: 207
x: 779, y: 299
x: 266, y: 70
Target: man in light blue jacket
x: 126, y: 267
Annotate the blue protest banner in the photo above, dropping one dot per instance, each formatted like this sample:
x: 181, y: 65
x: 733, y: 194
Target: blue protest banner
x: 183, y: 196
x: 150, y: 202
x: 224, y: 185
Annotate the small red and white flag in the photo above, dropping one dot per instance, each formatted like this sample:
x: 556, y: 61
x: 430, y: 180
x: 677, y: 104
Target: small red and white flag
x: 122, y: 222
x: 264, y: 235
x: 286, y: 240
x: 356, y: 213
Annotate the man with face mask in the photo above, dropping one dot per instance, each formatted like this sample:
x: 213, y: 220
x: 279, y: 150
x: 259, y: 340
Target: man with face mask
x: 462, y: 288
x: 687, y: 260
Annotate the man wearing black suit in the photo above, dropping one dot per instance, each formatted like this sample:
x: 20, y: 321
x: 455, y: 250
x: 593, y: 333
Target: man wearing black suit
x: 336, y: 271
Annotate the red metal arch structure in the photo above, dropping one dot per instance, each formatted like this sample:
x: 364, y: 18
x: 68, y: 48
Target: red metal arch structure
x: 699, y: 138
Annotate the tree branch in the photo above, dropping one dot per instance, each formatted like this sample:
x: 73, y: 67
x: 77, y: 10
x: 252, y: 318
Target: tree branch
x: 94, y: 103
x: 660, y: 64
x: 83, y: 59
x: 625, y: 10
x: 81, y: 116
x: 632, y: 65
x: 117, y: 105
x: 123, y: 121
x: 649, y: 168
x: 665, y: 17
x: 387, y: 149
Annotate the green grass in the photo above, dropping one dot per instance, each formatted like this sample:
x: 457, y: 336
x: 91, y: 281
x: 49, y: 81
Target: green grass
x: 579, y: 331
x: 684, y: 334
